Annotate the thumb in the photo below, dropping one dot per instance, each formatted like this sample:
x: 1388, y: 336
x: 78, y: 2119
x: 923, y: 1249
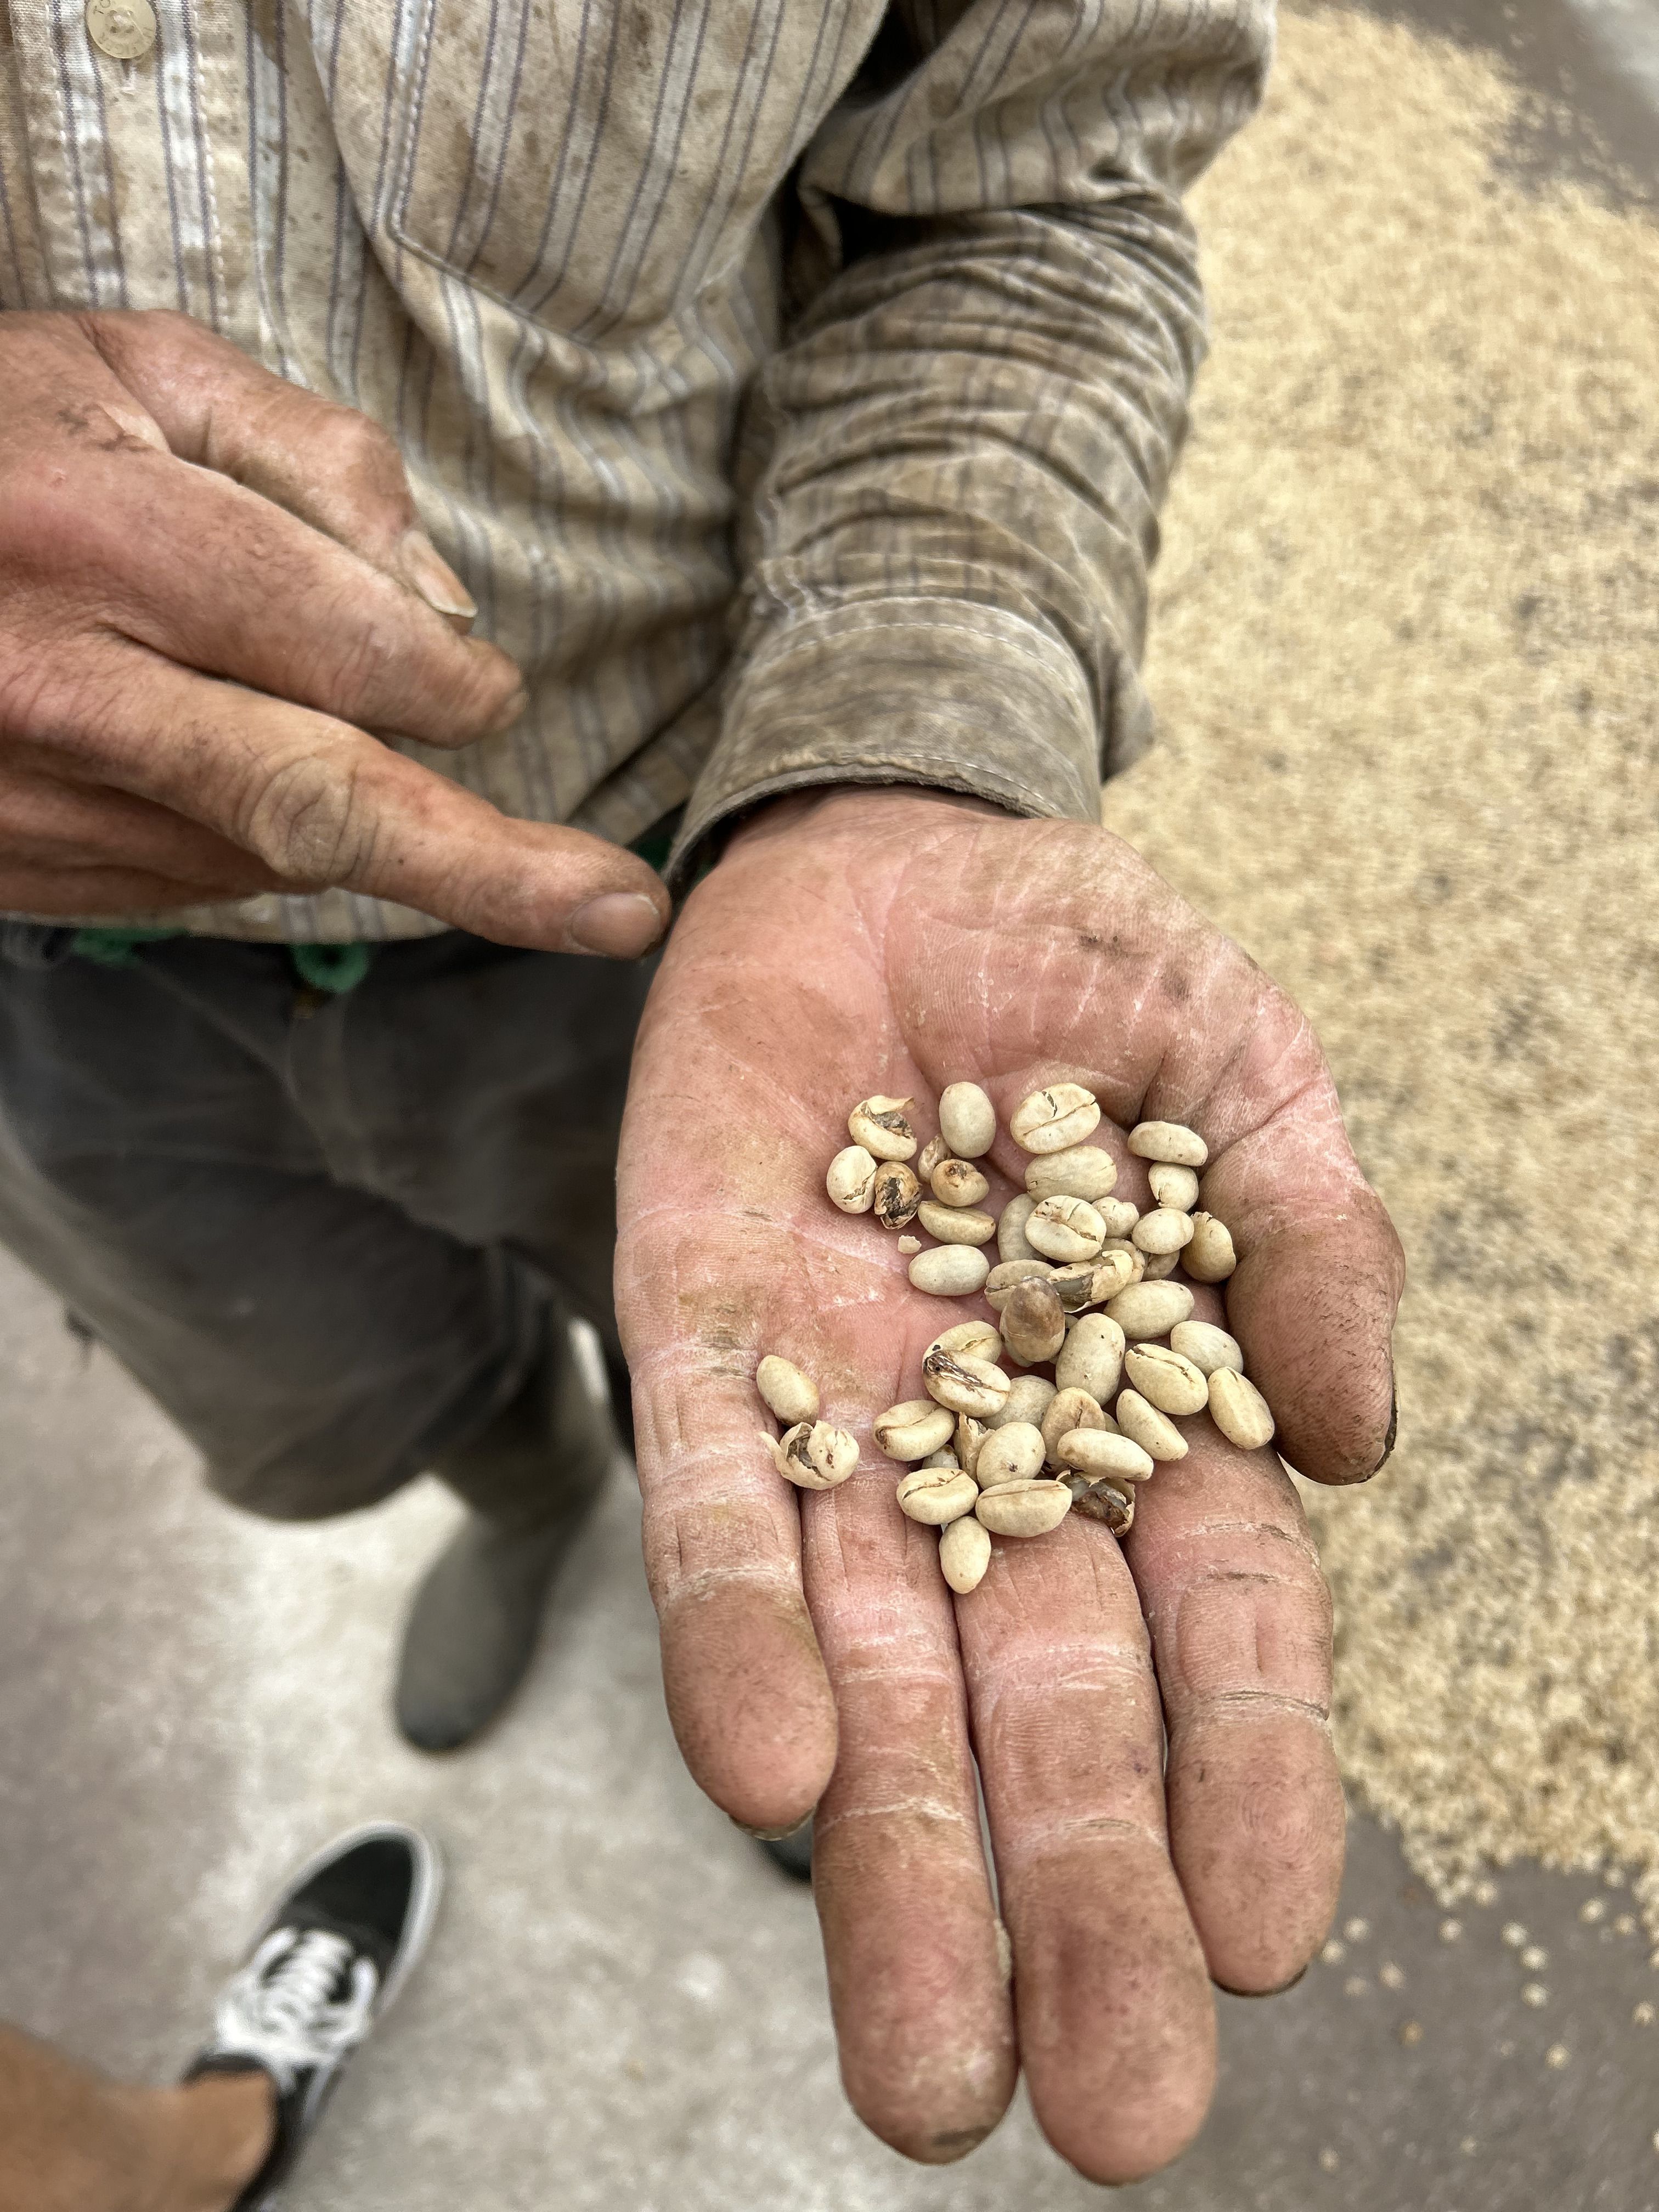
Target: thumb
x: 1319, y: 1279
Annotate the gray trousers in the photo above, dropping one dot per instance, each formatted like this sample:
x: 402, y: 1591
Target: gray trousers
x: 322, y: 1232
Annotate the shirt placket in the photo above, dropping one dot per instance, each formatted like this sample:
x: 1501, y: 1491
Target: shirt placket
x: 119, y: 102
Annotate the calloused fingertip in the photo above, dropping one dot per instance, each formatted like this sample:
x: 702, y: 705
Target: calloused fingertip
x: 750, y: 1704
x: 511, y: 711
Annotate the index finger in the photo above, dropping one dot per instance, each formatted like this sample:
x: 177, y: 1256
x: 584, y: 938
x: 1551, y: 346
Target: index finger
x: 322, y: 804
x: 745, y: 1685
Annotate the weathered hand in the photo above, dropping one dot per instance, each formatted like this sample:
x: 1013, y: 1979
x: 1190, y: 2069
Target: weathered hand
x: 897, y: 941
x: 214, y: 597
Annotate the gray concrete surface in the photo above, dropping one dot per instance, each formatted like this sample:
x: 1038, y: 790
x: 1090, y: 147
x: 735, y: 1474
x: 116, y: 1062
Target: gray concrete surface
x: 624, y: 2007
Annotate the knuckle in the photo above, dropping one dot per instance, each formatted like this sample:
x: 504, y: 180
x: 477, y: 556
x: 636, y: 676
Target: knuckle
x: 350, y: 447
x: 360, y: 673
x: 72, y: 713
x: 303, y: 819
x: 166, y: 327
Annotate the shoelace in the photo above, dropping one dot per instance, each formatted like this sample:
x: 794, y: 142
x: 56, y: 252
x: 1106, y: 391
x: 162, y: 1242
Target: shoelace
x: 281, y: 2009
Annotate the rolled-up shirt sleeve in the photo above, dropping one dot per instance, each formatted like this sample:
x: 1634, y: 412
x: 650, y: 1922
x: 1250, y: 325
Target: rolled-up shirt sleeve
x: 951, y: 468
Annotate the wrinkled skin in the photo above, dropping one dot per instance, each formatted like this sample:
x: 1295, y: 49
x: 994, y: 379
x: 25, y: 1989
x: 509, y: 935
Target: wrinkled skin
x: 814, y: 1655
x: 215, y: 599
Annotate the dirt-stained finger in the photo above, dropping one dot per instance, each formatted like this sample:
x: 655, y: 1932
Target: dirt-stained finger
x: 1116, y: 2024
x: 922, y: 2008
x: 1241, y: 1626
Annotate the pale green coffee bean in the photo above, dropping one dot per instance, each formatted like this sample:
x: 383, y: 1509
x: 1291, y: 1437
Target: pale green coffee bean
x: 1065, y: 1411
x: 1013, y: 1453
x: 964, y: 1553
x: 1088, y: 1283
x: 1065, y: 1229
x: 965, y: 1384
x: 1004, y: 1278
x: 934, y: 1495
x: 1114, y: 1270
x: 1010, y: 1229
x: 1024, y: 1509
x: 1206, y: 1346
x: 1166, y: 1379
x: 1033, y: 1323
x: 945, y: 1458
x: 851, y: 1181
x: 1105, y: 1455
x: 978, y: 1337
x: 898, y: 1194
x: 1080, y: 1172
x: 1155, y: 1432
x: 1130, y: 1253
x: 957, y: 1225
x: 878, y: 1124
x: 958, y: 1182
x: 910, y: 1245
x: 1149, y: 1309
x: 967, y: 1118
x: 1173, y: 1186
x: 1210, y: 1258
x: 1091, y: 1357
x: 1239, y: 1410
x: 1169, y: 1141
x: 1109, y: 1502
x: 913, y: 1428
x: 949, y: 1271
x: 970, y: 1435
x: 1073, y: 1285
x: 1055, y: 1120
x: 1028, y: 1400
x: 813, y: 1455
x: 1162, y: 1231
x: 1119, y: 1216
x: 1159, y: 1266
x: 790, y: 1395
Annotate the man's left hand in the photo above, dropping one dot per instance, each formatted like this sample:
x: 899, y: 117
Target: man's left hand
x: 897, y: 941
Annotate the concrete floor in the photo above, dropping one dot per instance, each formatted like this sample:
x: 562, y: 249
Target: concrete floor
x: 625, y: 2004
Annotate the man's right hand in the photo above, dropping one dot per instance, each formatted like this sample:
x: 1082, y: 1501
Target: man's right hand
x: 215, y: 597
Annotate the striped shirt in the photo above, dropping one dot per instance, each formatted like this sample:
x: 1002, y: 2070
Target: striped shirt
x: 793, y: 382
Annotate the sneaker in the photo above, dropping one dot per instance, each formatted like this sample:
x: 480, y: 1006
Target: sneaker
x: 327, y: 1960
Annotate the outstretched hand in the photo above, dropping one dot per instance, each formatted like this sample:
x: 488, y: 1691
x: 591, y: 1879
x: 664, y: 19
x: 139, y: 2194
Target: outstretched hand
x: 896, y: 941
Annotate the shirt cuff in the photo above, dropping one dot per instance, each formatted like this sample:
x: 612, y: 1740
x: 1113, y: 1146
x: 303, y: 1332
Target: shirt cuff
x: 936, y: 692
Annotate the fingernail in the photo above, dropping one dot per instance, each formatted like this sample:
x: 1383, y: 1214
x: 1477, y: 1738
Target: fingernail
x: 620, y: 924
x: 768, y: 1835
x: 1393, y: 1427
x: 434, y: 579
x: 510, y: 713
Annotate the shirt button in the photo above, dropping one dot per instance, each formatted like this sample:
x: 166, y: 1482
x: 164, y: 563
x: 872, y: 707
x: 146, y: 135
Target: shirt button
x: 122, y: 30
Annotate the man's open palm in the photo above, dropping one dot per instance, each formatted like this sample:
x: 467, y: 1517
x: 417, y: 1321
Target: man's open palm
x: 896, y: 942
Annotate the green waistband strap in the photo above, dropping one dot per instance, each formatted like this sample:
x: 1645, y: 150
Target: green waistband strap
x: 336, y: 969
x: 116, y: 948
